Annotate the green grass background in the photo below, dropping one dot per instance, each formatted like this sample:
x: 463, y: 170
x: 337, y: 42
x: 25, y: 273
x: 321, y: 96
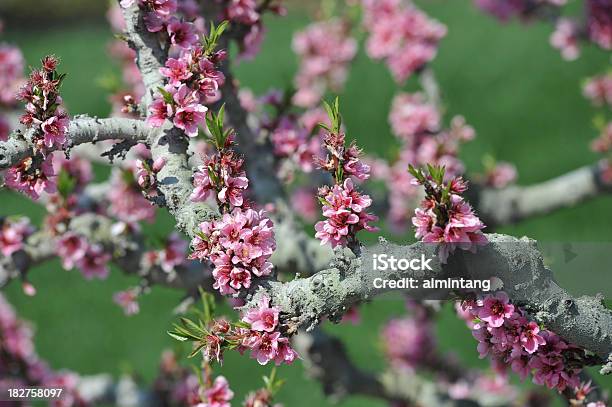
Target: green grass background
x: 523, y: 100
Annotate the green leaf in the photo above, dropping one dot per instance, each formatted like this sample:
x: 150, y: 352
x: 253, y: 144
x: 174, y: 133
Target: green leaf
x: 196, y: 350
x: 324, y: 201
x: 208, y: 306
x: 179, y: 330
x: 189, y: 324
x: 242, y: 324
x: 177, y: 336
x: 166, y: 95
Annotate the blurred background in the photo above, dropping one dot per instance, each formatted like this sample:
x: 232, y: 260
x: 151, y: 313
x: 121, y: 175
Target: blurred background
x: 523, y: 100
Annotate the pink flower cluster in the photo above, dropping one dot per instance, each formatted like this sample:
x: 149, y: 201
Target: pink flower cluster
x: 11, y: 73
x: 445, y: 217
x: 43, y: 111
x: 22, y: 367
x: 146, y: 174
x: 401, y: 35
x: 239, y: 245
x: 32, y: 176
x: 75, y: 251
x: 172, y: 255
x: 128, y: 300
x: 13, y: 233
x: 304, y: 203
x: 509, y: 338
x: 218, y: 395
x: 598, y: 90
x: 263, y: 338
x: 565, y: 38
x: 417, y: 125
x: 324, y: 49
x: 228, y: 182
x: 160, y: 16
x: 343, y: 205
x: 411, y: 116
x: 603, y: 144
x: 193, y: 81
x: 408, y: 342
x: 500, y: 175
x: 247, y: 13
x: 345, y: 210
x: 293, y: 143
x: 261, y: 398
x: 599, y: 22
x: 259, y: 333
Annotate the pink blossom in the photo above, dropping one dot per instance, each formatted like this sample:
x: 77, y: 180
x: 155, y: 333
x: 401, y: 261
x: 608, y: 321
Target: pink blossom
x: 461, y: 227
x: 324, y: 49
x: 264, y: 318
x: 189, y: 113
x: 345, y: 210
x: 239, y: 278
x: 530, y: 338
x: 285, y: 353
x: 71, y: 247
x: 304, y: 202
x: 410, y: 116
x: 408, y: 342
x: 232, y: 190
x: 159, y: 112
x: 263, y: 346
x: 94, y: 264
x: 202, y: 184
x: 30, y: 179
x: 128, y: 300
x: 599, y: 22
x: 402, y: 35
x: 495, y: 309
x: 565, y: 39
x: 11, y: 73
x: 238, y: 245
x: 219, y: 395
x: 501, y: 175
x: 243, y: 11
x: 173, y: 254
x: 182, y: 34
x: 13, y: 235
x: 599, y: 90
x: 176, y: 70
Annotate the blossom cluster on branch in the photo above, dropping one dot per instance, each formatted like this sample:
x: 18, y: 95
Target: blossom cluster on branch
x: 11, y: 79
x: 259, y: 332
x: 344, y: 206
x: 401, y: 35
x: 444, y: 216
x: 507, y: 335
x: 48, y: 122
x: 241, y: 242
x: 324, y: 49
